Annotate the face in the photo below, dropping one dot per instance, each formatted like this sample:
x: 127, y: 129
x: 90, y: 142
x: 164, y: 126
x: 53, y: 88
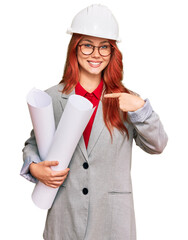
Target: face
x: 94, y: 63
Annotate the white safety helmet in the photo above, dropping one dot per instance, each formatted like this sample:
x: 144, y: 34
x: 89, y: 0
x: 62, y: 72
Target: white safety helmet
x: 95, y: 20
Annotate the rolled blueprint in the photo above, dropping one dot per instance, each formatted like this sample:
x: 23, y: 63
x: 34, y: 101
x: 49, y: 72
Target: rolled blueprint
x: 42, y: 116
x: 73, y: 121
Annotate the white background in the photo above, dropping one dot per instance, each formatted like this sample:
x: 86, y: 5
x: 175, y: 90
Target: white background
x: 154, y: 43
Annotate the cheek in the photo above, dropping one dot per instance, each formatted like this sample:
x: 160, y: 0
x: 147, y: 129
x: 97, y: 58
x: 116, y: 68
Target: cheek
x: 81, y: 59
x: 107, y: 61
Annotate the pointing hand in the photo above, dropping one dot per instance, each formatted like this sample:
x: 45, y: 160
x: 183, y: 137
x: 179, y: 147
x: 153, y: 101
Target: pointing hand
x: 127, y: 102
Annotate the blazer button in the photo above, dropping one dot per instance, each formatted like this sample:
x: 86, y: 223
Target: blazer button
x: 85, y: 165
x: 85, y: 191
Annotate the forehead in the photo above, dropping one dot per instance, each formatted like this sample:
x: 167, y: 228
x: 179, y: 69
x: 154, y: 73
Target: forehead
x: 95, y: 40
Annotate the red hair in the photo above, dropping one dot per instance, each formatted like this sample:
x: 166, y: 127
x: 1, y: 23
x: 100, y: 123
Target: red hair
x: 112, y: 77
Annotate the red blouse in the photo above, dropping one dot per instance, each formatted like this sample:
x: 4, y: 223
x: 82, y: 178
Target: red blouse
x: 94, y: 98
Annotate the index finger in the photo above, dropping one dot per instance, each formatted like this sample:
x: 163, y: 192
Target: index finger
x: 112, y: 95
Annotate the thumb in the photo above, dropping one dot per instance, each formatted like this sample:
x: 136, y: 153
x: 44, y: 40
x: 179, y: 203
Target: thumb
x: 51, y: 163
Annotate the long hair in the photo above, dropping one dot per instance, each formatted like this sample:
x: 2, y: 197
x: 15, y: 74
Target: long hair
x: 112, y: 76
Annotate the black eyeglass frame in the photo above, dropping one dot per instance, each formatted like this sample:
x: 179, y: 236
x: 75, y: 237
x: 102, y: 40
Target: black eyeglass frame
x: 80, y: 45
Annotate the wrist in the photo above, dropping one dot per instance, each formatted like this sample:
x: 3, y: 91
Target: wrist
x: 140, y: 104
x: 31, y: 167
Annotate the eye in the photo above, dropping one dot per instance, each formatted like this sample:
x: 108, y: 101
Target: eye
x: 105, y: 46
x: 87, y: 45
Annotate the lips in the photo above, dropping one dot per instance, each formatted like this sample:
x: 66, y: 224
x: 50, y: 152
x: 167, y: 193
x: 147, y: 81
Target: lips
x: 94, y: 64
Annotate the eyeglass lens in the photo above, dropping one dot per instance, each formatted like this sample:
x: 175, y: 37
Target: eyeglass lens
x: 88, y: 49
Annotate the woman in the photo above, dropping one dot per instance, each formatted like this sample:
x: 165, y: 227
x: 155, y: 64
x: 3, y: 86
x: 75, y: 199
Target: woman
x: 95, y: 200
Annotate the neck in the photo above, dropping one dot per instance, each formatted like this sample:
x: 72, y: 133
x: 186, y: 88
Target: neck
x: 89, y: 81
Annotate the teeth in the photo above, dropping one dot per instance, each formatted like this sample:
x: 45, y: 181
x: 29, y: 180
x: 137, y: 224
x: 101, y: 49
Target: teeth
x: 95, y: 63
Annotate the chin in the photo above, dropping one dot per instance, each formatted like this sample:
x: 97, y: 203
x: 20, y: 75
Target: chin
x: 95, y: 71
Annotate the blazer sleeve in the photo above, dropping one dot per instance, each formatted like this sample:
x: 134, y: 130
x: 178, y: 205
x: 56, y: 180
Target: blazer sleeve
x: 148, y: 130
x: 30, y: 154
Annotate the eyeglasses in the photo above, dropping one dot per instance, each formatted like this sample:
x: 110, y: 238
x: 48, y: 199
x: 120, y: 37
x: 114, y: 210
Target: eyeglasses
x: 88, y: 49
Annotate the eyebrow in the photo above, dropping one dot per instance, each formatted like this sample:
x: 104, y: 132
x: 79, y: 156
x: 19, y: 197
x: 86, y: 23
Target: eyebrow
x: 92, y: 41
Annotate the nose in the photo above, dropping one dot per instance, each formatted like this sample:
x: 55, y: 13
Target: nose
x: 95, y: 53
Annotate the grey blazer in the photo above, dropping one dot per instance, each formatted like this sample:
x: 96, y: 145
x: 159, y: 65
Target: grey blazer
x: 96, y: 201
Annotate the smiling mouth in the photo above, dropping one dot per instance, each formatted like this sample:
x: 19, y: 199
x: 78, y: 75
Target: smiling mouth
x: 94, y: 64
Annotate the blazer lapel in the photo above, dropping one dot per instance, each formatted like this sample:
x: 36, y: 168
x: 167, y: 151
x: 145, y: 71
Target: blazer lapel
x: 97, y: 128
x: 81, y: 142
x: 64, y: 98
x: 82, y: 147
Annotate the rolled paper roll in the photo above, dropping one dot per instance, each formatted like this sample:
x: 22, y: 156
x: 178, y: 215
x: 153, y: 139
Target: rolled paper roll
x: 74, y: 119
x: 42, y: 117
